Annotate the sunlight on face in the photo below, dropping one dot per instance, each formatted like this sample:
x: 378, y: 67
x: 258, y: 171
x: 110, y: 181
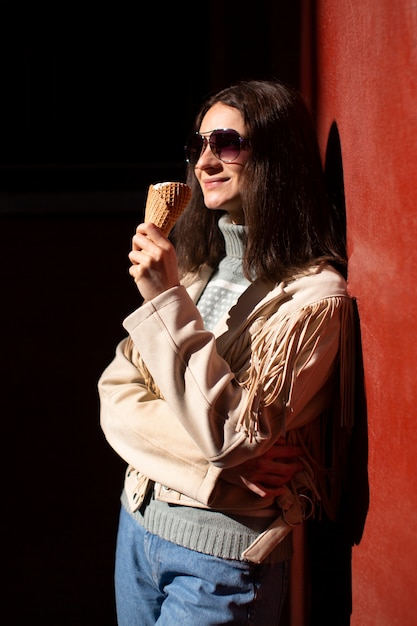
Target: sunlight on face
x: 221, y: 182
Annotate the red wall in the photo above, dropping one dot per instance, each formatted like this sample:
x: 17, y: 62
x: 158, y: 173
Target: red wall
x: 359, y: 70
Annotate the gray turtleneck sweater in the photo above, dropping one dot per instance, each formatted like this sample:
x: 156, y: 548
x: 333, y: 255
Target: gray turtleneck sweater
x: 228, y: 282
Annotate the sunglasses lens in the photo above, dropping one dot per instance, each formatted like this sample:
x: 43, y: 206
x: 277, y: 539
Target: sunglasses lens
x: 225, y: 145
x: 193, y: 148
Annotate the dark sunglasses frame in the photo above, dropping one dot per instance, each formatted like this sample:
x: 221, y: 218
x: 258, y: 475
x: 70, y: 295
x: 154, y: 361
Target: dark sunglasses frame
x: 222, y: 141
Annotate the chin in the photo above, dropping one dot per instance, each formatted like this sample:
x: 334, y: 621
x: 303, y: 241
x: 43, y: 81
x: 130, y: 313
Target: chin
x: 214, y: 206
x: 222, y: 204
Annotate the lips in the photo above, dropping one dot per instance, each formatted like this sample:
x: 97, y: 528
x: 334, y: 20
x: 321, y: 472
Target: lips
x: 214, y: 182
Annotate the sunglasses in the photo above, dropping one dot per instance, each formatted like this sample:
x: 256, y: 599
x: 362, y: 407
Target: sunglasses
x: 225, y: 144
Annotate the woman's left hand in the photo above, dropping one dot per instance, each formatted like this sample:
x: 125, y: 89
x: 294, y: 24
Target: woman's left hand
x: 268, y: 474
x: 154, y: 262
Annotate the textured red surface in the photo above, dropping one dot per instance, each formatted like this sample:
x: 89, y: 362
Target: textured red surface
x: 360, y: 72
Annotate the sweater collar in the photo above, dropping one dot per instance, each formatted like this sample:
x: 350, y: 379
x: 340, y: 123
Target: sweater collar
x: 234, y: 237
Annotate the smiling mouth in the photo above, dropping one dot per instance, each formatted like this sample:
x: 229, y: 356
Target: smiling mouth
x: 215, y: 181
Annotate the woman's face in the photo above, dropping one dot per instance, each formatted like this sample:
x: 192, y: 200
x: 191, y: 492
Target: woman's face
x: 221, y: 182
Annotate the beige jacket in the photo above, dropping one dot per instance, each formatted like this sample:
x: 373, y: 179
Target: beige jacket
x: 208, y: 401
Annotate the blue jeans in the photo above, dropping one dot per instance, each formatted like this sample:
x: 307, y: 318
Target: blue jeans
x: 159, y: 582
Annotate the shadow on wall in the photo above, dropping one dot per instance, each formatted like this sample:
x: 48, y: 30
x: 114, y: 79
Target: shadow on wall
x: 330, y: 543
x: 358, y: 469
x: 333, y: 171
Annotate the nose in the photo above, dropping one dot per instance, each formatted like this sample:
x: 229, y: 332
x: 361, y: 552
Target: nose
x: 207, y: 158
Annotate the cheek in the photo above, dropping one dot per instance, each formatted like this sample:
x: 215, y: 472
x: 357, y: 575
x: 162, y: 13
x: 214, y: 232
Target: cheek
x: 197, y: 174
x: 240, y: 178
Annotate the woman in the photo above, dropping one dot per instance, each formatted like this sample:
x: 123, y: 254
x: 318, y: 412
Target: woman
x: 242, y: 342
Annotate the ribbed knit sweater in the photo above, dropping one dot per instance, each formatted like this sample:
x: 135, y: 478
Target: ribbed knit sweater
x: 206, y: 530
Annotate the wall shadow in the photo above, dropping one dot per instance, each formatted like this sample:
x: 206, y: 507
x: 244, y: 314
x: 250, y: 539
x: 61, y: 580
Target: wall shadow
x: 330, y: 543
x: 333, y: 172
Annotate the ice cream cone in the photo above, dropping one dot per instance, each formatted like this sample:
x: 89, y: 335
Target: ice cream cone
x: 165, y: 203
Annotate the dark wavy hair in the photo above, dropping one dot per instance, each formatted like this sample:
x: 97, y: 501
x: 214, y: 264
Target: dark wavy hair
x: 290, y: 221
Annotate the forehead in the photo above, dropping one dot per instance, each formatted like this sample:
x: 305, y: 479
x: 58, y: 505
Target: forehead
x: 222, y: 116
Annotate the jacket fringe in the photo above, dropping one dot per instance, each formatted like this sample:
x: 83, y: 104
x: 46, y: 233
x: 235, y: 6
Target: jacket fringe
x: 275, y: 360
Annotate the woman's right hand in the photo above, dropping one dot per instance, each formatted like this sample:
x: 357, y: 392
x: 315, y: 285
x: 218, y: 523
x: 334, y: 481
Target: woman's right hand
x: 266, y: 475
x: 154, y: 262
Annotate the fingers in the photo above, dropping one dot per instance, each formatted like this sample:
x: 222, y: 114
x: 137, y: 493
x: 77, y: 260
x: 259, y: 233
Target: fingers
x: 149, y: 246
x: 152, y: 232
x: 154, y: 264
x: 150, y: 239
x: 286, y: 467
x: 273, y: 465
x: 282, y: 450
x: 267, y: 475
x: 263, y: 490
x: 270, y: 478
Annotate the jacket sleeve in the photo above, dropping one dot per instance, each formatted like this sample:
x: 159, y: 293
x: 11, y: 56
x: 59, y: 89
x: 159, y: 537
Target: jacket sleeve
x: 142, y: 429
x: 229, y: 420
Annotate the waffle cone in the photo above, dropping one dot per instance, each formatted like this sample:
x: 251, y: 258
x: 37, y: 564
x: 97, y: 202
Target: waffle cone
x: 165, y: 203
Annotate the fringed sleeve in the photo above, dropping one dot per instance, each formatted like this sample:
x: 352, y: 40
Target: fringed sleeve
x: 281, y: 352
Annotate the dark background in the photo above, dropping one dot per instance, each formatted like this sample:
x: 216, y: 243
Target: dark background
x: 88, y: 121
